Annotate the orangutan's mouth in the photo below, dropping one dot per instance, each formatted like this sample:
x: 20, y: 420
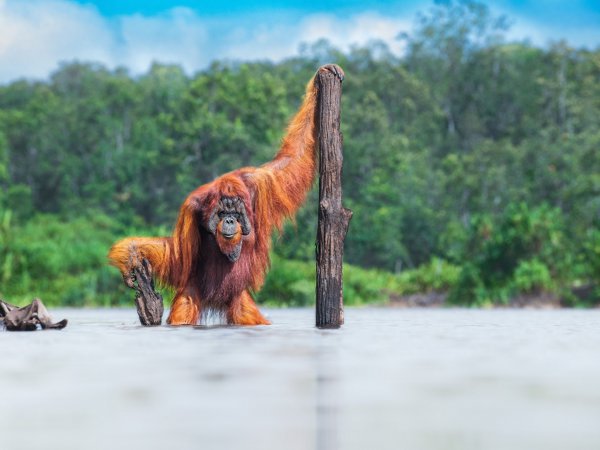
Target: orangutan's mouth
x: 235, y: 254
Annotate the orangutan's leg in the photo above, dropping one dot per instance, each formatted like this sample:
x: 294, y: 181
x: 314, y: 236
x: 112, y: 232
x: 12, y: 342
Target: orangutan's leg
x: 185, y: 310
x: 243, y: 311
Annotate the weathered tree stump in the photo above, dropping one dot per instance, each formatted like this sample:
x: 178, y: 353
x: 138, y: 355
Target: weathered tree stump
x: 148, y: 302
x: 333, y: 217
x: 28, y: 317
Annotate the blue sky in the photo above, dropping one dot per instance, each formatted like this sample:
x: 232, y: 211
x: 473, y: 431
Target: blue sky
x: 36, y: 35
x: 114, y: 8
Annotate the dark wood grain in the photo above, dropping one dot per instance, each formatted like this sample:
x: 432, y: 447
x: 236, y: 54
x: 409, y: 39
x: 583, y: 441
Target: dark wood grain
x: 333, y: 217
x: 148, y: 302
x: 28, y: 318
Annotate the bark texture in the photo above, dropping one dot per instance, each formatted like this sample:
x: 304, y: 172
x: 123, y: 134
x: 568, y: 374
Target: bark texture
x: 28, y: 317
x: 333, y: 217
x: 148, y: 302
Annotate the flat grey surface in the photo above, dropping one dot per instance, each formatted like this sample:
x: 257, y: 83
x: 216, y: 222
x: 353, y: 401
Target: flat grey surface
x: 390, y: 379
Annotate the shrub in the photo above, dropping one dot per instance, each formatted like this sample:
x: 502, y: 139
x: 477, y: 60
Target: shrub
x: 293, y: 283
x: 62, y: 262
x: 436, y: 276
x: 521, y: 251
x: 532, y: 277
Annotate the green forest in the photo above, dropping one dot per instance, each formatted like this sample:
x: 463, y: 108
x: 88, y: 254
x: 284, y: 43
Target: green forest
x: 471, y: 162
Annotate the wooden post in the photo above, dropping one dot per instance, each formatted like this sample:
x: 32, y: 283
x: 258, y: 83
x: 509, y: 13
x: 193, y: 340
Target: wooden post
x: 333, y: 218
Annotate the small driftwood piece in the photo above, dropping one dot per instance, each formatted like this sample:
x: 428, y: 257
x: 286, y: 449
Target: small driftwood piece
x: 28, y: 317
x: 333, y: 217
x: 148, y: 302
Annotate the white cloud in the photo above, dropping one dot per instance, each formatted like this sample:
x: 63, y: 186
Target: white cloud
x: 36, y: 35
x: 177, y: 36
x: 541, y: 35
x: 539, y: 32
x: 361, y: 28
x: 283, y: 37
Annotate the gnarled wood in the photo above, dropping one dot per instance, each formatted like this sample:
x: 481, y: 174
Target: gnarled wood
x: 28, y: 317
x: 148, y: 302
x: 333, y: 217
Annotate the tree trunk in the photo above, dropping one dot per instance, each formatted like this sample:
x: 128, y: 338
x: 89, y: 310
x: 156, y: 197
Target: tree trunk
x: 333, y: 218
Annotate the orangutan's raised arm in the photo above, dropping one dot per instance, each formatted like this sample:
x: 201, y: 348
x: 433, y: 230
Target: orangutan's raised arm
x: 281, y: 185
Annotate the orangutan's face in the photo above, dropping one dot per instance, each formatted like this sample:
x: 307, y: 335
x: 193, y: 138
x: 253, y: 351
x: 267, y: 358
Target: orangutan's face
x: 228, y: 223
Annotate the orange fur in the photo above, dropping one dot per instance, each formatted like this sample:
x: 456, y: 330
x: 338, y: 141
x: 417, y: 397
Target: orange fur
x: 184, y: 310
x: 228, y: 245
x: 243, y: 311
x: 191, y: 261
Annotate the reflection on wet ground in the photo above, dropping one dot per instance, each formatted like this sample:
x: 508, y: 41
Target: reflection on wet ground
x: 390, y: 379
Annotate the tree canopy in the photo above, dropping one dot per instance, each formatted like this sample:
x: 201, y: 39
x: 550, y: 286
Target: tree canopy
x: 468, y: 149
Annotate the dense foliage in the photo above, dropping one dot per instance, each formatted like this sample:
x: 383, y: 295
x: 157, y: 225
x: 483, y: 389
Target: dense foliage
x: 472, y: 165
